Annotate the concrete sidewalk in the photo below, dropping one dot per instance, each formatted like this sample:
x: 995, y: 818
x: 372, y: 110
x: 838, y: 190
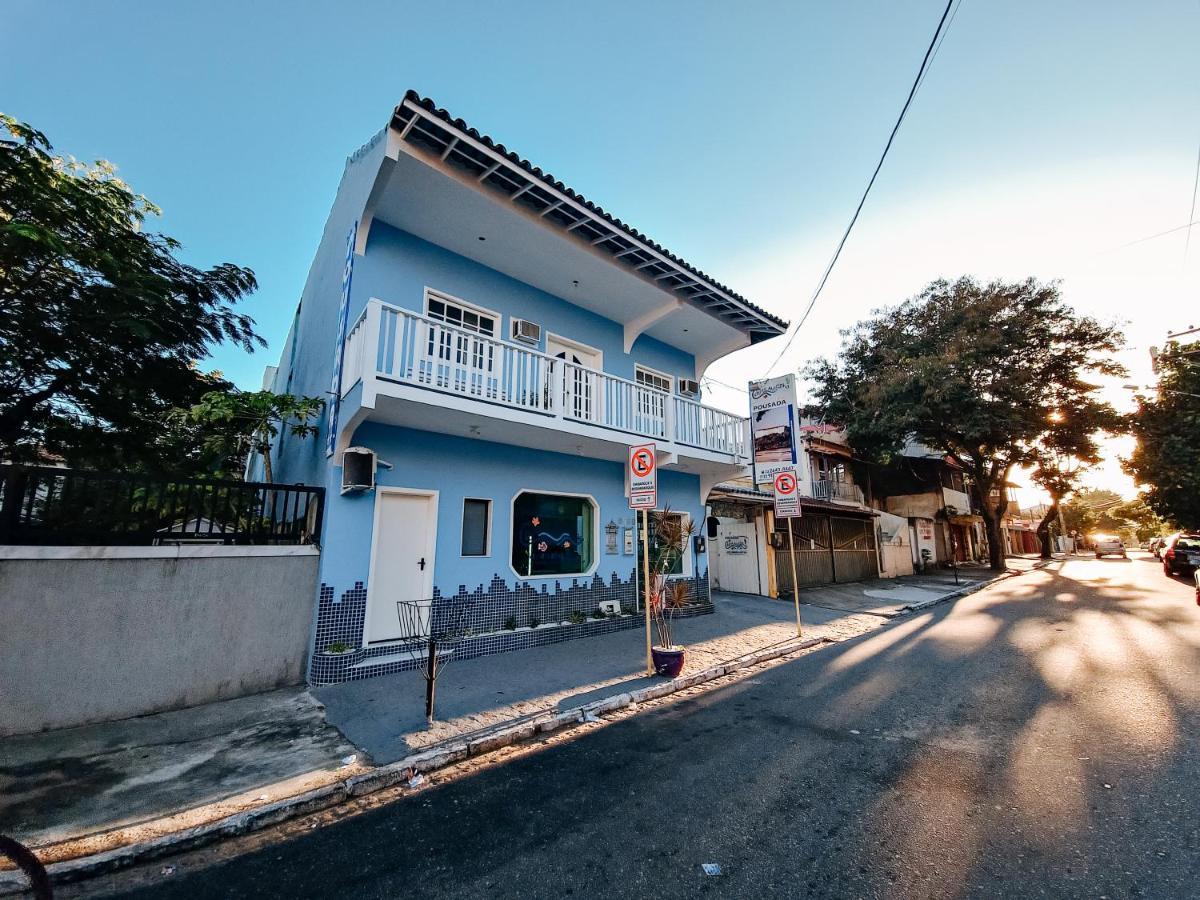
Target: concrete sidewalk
x: 87, y: 790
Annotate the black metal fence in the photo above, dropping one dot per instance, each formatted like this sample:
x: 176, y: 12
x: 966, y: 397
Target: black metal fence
x: 46, y: 505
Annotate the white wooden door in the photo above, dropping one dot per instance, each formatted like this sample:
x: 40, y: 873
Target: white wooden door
x: 736, y: 556
x: 580, y: 397
x: 402, y: 552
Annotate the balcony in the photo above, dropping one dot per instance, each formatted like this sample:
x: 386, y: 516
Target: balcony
x: 837, y: 492
x: 455, y: 381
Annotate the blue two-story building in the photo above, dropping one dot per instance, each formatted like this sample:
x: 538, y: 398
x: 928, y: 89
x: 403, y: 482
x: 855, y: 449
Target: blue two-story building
x: 497, y: 342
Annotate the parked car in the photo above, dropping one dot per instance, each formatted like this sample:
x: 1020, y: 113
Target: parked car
x: 1156, y: 546
x: 1109, y: 546
x: 1181, y: 554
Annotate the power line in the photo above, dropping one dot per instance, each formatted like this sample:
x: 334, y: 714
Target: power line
x: 1192, y: 214
x: 925, y: 61
x: 1160, y: 234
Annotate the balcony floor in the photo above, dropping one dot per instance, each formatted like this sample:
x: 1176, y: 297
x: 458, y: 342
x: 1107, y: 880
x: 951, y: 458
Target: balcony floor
x: 423, y: 409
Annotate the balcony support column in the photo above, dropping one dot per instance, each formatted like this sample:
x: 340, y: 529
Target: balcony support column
x: 635, y: 328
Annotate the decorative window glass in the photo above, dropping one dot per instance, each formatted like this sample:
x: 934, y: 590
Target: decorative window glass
x: 476, y: 523
x: 650, y: 378
x: 652, y: 403
x: 552, y: 534
x: 443, y: 309
x: 471, y: 360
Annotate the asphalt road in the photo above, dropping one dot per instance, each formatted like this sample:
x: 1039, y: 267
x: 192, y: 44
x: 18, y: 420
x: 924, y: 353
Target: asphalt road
x: 1037, y: 739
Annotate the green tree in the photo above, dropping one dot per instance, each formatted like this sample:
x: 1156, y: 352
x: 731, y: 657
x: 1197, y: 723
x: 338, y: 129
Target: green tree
x: 101, y: 326
x: 236, y: 423
x: 978, y: 372
x: 1088, y: 511
x: 1139, y: 519
x: 1069, y: 447
x: 1166, y: 458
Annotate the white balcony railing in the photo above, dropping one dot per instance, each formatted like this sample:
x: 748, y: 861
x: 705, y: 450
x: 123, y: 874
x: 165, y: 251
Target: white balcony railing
x: 414, y: 349
x: 837, y: 491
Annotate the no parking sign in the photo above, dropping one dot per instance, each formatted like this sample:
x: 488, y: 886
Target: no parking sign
x: 643, y: 477
x: 787, y: 494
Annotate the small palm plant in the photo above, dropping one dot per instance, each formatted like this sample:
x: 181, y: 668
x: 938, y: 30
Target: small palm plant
x: 672, y: 534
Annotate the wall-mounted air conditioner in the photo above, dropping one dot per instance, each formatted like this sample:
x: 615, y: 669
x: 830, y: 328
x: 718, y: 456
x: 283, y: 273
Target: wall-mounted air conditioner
x: 526, y: 332
x: 358, y: 469
x: 689, y: 388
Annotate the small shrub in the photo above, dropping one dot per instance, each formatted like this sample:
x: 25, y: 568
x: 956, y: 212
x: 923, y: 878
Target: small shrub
x: 510, y: 624
x: 577, y: 618
x: 534, y: 622
x: 598, y: 613
x: 338, y: 647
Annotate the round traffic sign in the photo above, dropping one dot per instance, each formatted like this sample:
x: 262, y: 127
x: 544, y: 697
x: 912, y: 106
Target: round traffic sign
x: 642, y: 463
x: 785, y: 483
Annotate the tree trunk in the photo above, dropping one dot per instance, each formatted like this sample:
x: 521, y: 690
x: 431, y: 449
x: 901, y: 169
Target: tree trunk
x: 266, y: 457
x: 981, y: 485
x: 1043, y: 529
x: 991, y: 523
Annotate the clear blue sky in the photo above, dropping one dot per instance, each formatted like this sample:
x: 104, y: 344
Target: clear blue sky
x: 730, y: 132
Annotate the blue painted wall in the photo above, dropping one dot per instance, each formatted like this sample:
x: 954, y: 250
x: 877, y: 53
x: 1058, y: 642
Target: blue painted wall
x: 308, y: 355
x: 398, y: 266
x: 458, y: 468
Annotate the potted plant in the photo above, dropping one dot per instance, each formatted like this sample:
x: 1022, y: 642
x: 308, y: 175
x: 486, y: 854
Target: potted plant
x: 672, y: 534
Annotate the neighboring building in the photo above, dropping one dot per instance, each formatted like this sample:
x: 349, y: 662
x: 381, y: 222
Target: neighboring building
x: 505, y: 341
x: 835, y: 537
x: 926, y: 489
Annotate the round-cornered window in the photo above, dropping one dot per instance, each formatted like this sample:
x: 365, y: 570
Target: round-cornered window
x: 552, y: 534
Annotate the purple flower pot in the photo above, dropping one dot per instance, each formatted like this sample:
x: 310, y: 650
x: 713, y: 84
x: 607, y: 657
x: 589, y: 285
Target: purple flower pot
x: 668, y: 663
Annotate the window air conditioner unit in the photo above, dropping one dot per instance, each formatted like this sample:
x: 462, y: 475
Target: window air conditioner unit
x: 358, y: 469
x: 689, y: 388
x: 526, y: 332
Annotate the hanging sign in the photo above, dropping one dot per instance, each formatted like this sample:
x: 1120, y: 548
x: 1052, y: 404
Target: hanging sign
x: 643, y: 477
x: 773, y: 426
x: 787, y: 494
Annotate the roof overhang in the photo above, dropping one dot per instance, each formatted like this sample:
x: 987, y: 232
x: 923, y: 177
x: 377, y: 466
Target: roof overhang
x: 450, y: 185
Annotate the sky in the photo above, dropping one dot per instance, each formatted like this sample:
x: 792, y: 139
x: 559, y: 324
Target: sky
x: 1045, y: 139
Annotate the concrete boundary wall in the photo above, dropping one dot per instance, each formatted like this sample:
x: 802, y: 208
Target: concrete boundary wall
x: 92, y: 634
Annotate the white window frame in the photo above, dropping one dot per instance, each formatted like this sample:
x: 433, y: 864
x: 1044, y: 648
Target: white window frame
x: 443, y: 297
x: 670, y: 379
x: 512, y: 524
x: 488, y: 541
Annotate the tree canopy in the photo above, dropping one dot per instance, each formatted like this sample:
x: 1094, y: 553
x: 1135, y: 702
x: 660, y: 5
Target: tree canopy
x: 991, y: 374
x: 1166, y: 458
x: 101, y: 326
x: 237, y: 423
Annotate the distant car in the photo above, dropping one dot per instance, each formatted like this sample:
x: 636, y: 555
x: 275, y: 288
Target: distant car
x: 1106, y: 546
x: 1181, y: 554
x: 1156, y: 547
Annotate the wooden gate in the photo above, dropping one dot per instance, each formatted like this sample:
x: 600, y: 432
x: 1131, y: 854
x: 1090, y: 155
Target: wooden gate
x: 828, y: 550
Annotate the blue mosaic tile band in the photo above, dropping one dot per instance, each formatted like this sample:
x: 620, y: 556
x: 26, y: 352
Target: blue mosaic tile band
x: 488, y: 616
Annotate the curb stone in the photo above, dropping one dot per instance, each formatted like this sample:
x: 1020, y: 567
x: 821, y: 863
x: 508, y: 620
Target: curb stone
x: 972, y: 588
x: 386, y: 776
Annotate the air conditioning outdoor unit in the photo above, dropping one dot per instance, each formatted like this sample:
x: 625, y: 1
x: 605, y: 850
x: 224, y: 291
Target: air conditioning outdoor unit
x: 689, y: 388
x: 358, y: 469
x: 526, y: 332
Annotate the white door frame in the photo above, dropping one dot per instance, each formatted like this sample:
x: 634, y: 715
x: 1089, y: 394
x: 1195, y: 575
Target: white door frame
x: 430, y: 551
x: 588, y: 390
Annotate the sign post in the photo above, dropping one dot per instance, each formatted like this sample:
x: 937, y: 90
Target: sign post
x: 643, y: 496
x: 787, y: 506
